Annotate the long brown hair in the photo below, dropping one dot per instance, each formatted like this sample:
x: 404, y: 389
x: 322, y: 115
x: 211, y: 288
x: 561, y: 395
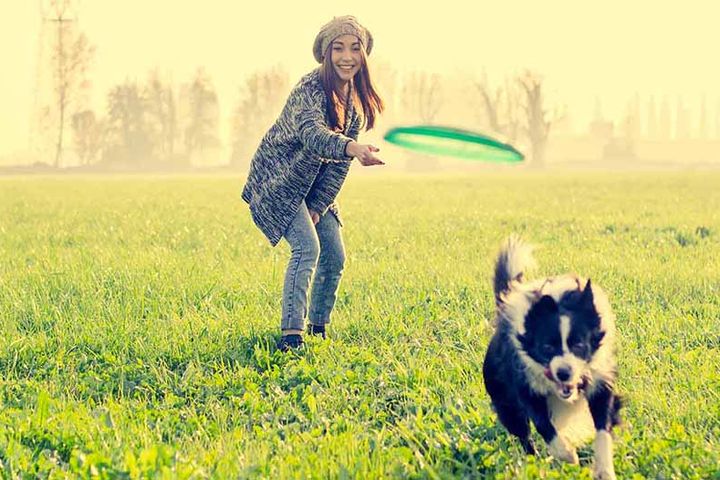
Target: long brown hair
x: 364, y: 95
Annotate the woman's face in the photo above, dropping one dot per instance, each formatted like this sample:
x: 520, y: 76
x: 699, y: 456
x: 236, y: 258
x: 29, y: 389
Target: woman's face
x: 346, y: 57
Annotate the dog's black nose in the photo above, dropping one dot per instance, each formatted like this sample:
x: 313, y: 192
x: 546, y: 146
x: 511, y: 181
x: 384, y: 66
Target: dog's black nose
x: 563, y: 374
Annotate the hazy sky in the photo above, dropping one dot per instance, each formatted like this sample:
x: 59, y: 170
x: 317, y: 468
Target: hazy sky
x: 608, y: 49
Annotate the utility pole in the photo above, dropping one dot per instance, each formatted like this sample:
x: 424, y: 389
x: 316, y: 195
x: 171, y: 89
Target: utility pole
x: 59, y: 18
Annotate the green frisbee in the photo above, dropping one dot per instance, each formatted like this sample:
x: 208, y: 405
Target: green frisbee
x: 454, y: 142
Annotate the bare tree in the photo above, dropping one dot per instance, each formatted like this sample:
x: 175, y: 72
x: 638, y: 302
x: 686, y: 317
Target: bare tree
x: 702, y: 120
x: 71, y: 56
x: 129, y: 137
x: 201, y: 131
x: 420, y: 100
x: 633, y: 120
x: 162, y: 113
x: 665, y: 120
x: 682, y: 121
x: 87, y: 133
x: 385, y: 76
x: 500, y: 108
x: 261, y: 99
x: 652, y: 122
x: 537, y: 119
x: 422, y: 96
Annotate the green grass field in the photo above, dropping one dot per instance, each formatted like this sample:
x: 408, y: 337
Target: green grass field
x: 138, y: 318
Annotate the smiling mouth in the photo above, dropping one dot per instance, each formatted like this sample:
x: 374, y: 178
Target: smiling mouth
x: 566, y: 390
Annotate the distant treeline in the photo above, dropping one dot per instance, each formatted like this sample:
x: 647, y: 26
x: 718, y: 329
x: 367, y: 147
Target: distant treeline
x: 159, y: 123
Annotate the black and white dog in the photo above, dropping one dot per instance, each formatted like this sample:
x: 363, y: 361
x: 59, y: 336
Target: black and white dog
x: 552, y: 360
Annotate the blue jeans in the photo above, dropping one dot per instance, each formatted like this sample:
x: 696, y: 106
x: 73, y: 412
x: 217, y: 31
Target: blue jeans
x: 312, y: 247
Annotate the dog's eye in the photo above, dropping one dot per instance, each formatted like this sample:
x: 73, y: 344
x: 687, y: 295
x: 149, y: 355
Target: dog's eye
x: 579, y: 349
x: 548, y: 349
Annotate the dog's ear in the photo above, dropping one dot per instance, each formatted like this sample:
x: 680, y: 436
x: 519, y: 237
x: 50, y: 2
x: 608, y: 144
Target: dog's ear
x: 546, y: 305
x: 587, y: 300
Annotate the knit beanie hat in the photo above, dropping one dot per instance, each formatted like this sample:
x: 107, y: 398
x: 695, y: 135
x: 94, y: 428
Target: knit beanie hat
x: 345, y: 25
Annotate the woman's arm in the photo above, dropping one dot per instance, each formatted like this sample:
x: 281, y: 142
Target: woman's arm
x: 312, y: 130
x: 328, y: 184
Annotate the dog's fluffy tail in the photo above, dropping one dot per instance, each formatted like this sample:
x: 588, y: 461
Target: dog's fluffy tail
x: 514, y: 261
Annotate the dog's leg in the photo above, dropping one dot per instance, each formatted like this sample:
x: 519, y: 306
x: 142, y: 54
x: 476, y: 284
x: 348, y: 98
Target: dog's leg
x: 603, y: 468
x: 602, y: 407
x: 517, y: 424
x: 557, y: 445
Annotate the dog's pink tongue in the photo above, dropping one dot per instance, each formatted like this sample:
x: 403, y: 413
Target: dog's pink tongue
x: 548, y: 374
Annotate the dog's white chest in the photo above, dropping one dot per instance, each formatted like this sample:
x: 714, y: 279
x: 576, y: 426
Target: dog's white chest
x: 572, y: 420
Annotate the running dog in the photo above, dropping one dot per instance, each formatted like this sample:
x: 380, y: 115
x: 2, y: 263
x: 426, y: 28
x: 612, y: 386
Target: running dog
x: 552, y: 360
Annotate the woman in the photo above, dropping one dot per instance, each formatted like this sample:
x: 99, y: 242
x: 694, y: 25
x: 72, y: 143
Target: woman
x: 301, y: 165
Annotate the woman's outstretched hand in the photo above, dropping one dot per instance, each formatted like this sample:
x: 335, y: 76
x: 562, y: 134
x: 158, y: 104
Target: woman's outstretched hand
x: 364, y: 153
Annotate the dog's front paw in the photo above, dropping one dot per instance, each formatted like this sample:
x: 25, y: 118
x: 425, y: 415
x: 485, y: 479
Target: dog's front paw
x: 561, y: 449
x: 603, y: 468
x: 603, y: 473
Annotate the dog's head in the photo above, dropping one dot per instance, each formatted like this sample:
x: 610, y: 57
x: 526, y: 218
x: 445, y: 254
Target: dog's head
x: 562, y: 332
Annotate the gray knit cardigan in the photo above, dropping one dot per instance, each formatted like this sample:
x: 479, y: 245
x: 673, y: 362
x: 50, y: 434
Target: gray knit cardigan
x: 299, y: 158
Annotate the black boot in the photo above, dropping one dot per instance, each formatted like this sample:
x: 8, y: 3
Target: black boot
x: 288, y: 342
x: 318, y: 330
